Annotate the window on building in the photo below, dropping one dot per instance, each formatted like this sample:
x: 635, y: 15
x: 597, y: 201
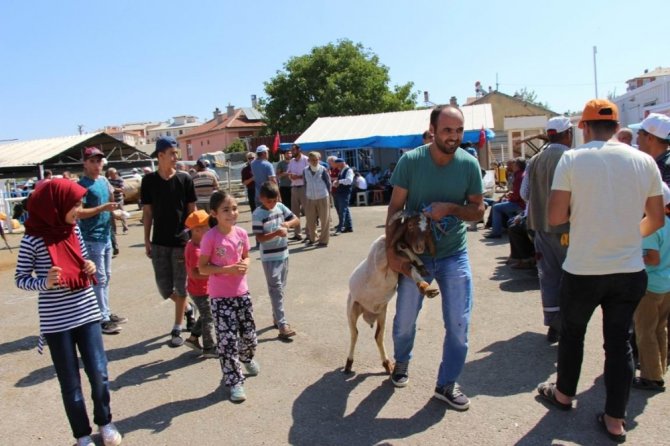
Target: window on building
x: 181, y: 132
x: 168, y: 133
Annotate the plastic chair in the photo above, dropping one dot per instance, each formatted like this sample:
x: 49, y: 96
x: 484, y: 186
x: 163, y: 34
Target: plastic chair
x: 362, y: 198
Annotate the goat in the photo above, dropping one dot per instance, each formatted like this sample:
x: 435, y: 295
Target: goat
x: 373, y: 284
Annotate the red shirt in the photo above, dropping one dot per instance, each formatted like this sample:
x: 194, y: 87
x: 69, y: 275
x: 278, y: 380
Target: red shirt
x: 195, y: 287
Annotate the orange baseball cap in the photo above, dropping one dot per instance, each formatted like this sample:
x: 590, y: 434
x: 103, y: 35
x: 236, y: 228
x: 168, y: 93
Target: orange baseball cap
x: 599, y: 110
x: 197, y: 218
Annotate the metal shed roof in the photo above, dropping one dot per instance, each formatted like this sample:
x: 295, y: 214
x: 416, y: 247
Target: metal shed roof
x: 63, y: 150
x: 387, y: 130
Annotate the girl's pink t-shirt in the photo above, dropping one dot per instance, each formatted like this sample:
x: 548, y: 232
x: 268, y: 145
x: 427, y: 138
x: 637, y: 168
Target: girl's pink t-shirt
x: 225, y: 250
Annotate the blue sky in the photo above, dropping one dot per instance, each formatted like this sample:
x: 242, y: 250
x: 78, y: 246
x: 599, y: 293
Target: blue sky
x: 96, y: 63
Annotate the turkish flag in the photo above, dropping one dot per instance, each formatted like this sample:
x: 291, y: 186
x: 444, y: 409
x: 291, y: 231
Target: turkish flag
x: 482, y: 138
x: 275, y: 144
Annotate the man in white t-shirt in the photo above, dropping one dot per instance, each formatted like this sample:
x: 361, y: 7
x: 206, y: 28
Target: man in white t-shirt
x: 296, y: 169
x: 602, y: 188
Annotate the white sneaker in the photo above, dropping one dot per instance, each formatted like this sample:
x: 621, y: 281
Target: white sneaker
x: 252, y: 367
x: 85, y: 441
x: 237, y: 393
x: 110, y: 435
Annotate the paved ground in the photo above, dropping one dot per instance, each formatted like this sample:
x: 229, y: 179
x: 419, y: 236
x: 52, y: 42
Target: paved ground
x: 165, y: 396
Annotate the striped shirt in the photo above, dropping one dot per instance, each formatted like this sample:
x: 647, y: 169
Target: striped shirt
x: 205, y: 184
x: 60, y: 308
x: 265, y: 221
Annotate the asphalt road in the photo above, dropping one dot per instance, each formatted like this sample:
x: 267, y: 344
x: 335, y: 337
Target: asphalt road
x: 166, y: 396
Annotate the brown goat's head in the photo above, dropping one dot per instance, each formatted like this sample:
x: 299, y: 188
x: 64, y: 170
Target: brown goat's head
x: 415, y: 232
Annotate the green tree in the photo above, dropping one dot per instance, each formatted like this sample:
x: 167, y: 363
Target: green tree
x: 332, y: 80
x: 530, y: 96
x: 236, y: 146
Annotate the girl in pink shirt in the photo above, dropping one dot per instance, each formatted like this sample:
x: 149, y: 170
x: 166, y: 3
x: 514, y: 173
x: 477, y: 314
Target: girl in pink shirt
x: 224, y: 256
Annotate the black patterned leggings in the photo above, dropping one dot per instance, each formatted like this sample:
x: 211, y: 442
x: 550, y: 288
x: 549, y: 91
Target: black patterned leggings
x: 236, y: 334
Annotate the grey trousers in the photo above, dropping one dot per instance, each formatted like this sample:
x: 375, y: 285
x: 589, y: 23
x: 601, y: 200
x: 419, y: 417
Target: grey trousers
x: 318, y: 209
x: 276, y: 273
x: 298, y: 203
x: 204, y: 326
x: 550, y: 255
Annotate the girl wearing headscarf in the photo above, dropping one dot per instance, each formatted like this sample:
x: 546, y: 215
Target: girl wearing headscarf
x: 52, y: 260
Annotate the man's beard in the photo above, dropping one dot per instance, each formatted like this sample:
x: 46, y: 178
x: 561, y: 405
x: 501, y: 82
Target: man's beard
x: 442, y: 147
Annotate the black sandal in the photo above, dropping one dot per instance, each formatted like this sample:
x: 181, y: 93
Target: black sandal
x: 547, y: 392
x: 617, y: 438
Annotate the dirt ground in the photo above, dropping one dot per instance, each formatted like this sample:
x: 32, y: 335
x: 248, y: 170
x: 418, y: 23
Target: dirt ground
x: 165, y: 396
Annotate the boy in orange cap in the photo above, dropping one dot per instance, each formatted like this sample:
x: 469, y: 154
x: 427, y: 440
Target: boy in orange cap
x: 196, y: 285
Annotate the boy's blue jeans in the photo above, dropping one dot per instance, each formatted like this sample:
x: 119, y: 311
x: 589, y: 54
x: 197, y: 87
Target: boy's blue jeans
x: 454, y: 278
x: 63, y: 347
x: 100, y: 253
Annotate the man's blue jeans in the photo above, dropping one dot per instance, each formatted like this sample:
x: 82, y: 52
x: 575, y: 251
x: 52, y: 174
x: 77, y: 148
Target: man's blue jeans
x: 502, y: 212
x: 63, y: 347
x: 100, y: 253
x: 454, y: 279
x: 343, y: 212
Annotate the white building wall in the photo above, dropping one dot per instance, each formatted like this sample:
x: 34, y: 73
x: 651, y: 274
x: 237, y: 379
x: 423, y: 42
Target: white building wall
x: 634, y: 105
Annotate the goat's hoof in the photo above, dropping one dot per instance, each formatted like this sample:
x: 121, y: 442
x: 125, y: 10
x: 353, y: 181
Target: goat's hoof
x: 388, y: 366
x: 432, y: 293
x: 347, y: 367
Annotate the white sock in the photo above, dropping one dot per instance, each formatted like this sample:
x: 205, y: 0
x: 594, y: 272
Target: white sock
x: 176, y: 327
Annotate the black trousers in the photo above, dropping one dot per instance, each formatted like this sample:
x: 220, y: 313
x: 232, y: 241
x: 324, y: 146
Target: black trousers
x: 520, y: 244
x: 618, y: 295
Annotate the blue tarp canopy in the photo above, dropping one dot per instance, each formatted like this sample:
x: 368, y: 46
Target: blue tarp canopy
x: 395, y: 130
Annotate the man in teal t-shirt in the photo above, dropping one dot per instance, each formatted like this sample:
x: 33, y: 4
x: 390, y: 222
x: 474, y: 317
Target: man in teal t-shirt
x: 445, y: 184
x: 94, y: 222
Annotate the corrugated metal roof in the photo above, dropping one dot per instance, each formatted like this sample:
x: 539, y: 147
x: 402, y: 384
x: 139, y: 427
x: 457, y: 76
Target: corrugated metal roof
x: 252, y: 114
x: 66, y: 148
x: 374, y: 130
x: 36, y: 151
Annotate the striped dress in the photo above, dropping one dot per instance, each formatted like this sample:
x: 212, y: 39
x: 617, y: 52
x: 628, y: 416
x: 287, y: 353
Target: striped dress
x: 60, y: 308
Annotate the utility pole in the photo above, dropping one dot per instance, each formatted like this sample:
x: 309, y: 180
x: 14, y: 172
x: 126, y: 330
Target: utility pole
x: 595, y: 72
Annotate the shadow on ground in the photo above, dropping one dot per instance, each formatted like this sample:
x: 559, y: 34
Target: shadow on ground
x: 319, y: 414
x: 515, y: 280
x: 18, y: 345
x: 137, y: 375
x: 583, y: 428
x: 159, y: 418
x: 506, y: 371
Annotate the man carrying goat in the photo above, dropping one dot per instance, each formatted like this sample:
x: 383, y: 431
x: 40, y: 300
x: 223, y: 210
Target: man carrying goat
x: 445, y: 184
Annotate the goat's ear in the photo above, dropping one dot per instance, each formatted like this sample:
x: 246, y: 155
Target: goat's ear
x: 397, y: 216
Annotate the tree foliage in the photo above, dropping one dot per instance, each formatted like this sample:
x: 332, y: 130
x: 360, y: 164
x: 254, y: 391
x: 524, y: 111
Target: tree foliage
x: 530, y: 96
x: 332, y: 80
x: 236, y: 146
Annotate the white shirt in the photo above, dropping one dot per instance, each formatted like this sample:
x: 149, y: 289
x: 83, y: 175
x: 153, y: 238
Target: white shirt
x: 361, y: 183
x: 296, y: 167
x: 609, y: 185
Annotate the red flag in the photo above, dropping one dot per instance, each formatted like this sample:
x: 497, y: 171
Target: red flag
x: 482, y: 138
x: 275, y: 144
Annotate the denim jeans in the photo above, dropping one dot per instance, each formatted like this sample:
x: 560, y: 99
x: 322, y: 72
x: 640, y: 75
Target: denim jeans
x: 276, y: 273
x: 343, y: 213
x: 63, y: 347
x: 100, y: 253
x: 502, y: 212
x: 618, y: 295
x: 454, y: 279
